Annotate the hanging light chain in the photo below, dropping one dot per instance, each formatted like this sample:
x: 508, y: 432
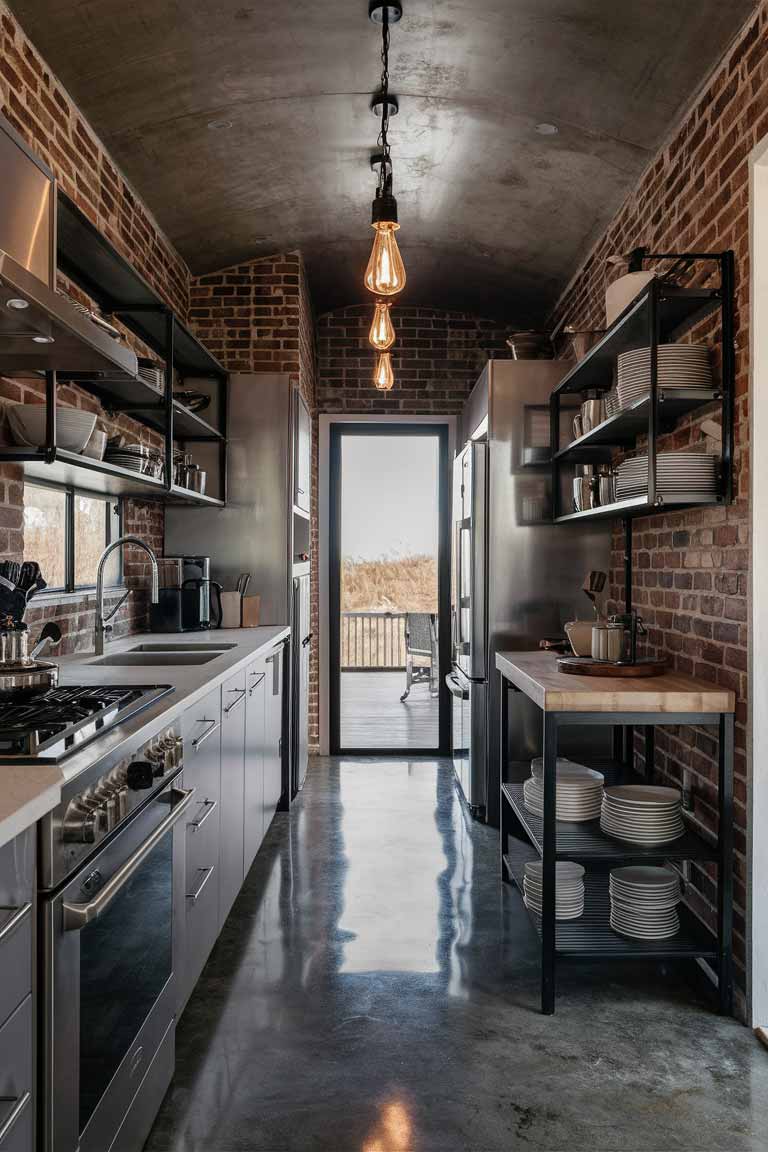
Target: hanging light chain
x: 383, y: 140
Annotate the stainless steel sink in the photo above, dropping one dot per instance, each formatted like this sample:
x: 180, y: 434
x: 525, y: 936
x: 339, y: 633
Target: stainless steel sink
x: 192, y: 646
x: 135, y: 659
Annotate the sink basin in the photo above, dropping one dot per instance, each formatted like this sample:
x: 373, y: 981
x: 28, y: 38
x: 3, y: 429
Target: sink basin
x: 136, y: 659
x: 191, y: 647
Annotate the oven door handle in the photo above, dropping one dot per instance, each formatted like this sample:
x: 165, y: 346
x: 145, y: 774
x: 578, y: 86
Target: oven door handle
x: 77, y: 916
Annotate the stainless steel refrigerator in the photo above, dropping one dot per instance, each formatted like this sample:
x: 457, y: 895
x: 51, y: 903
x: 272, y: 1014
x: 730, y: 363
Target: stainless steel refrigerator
x: 516, y: 577
x: 265, y: 527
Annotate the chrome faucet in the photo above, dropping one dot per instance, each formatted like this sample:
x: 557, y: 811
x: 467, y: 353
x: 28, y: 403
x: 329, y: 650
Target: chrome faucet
x: 103, y: 628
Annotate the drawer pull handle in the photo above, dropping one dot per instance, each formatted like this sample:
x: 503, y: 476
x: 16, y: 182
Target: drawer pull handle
x: 13, y: 921
x: 259, y: 676
x: 235, y: 703
x: 19, y: 1104
x: 207, y: 873
x: 210, y: 806
x: 213, y: 726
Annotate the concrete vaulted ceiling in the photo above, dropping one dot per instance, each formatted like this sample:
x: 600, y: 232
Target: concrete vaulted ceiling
x: 495, y: 216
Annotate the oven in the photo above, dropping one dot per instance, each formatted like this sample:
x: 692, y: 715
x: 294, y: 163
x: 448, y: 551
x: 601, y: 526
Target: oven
x: 111, y: 945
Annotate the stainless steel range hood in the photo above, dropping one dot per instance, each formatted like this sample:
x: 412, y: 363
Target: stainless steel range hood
x: 41, y: 331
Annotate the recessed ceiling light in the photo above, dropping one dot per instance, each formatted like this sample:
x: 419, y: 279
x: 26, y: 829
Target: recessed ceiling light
x: 218, y: 125
x: 547, y: 129
x: 17, y: 304
x: 43, y: 339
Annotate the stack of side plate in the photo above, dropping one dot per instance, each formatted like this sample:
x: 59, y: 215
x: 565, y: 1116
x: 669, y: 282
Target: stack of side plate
x: 676, y: 472
x: 578, y: 795
x: 644, y: 902
x: 678, y: 366
x: 569, y: 889
x: 642, y: 814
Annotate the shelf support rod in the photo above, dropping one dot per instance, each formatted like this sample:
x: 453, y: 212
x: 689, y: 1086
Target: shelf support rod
x: 728, y: 370
x: 725, y: 869
x: 51, y: 383
x: 170, y: 332
x: 549, y: 856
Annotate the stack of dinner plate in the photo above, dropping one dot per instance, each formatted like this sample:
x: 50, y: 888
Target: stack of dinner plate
x: 678, y: 366
x: 642, y: 814
x: 579, y: 791
x: 677, y: 473
x: 644, y: 902
x: 569, y: 888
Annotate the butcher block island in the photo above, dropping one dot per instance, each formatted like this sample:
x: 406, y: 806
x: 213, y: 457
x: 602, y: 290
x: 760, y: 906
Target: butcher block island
x: 638, y: 837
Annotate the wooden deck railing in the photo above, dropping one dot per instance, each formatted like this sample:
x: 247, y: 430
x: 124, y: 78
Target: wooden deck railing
x: 372, y: 641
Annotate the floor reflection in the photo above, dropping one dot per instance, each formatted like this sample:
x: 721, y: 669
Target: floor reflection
x: 375, y: 989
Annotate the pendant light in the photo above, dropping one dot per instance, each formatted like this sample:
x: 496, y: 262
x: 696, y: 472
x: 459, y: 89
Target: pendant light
x: 385, y: 274
x: 382, y: 333
x: 384, y: 377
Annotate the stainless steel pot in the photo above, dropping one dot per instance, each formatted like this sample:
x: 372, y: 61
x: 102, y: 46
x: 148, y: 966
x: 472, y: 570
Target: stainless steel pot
x: 20, y: 670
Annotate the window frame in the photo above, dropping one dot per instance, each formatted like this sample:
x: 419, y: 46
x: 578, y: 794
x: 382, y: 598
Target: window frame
x: 71, y: 492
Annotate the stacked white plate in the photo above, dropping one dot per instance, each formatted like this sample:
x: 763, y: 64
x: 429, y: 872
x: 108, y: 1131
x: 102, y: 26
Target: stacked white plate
x: 676, y: 473
x: 644, y: 902
x: 642, y: 814
x: 678, y: 366
x: 569, y: 888
x: 578, y: 795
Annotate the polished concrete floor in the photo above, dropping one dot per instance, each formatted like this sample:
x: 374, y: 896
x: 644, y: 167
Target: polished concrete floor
x: 375, y: 990
x: 372, y: 714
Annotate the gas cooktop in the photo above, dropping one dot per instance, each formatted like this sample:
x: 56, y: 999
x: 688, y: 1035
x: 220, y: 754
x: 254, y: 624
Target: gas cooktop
x: 48, y: 725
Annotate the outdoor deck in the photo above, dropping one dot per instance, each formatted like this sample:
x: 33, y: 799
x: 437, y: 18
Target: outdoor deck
x: 373, y: 717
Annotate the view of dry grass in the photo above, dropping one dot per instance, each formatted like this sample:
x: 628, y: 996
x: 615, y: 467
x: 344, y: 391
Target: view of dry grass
x: 407, y: 584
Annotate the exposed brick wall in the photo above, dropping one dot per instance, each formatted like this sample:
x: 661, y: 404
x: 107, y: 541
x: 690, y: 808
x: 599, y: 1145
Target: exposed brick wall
x: 436, y: 359
x: 257, y: 317
x: 690, y: 579
x: 39, y: 108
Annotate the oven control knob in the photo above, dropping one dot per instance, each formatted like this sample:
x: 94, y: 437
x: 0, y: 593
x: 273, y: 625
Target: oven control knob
x: 139, y: 775
x: 157, y: 758
x: 79, y: 824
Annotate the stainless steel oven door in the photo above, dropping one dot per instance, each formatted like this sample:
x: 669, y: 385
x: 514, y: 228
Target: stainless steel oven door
x: 111, y: 945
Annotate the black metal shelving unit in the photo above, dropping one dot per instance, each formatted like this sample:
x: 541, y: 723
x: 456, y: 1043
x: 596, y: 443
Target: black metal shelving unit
x: 91, y: 262
x: 661, y: 313
x: 525, y: 836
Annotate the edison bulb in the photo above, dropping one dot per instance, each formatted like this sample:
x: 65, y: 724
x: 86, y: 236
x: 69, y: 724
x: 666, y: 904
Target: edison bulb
x: 382, y: 333
x: 384, y: 377
x: 385, y: 274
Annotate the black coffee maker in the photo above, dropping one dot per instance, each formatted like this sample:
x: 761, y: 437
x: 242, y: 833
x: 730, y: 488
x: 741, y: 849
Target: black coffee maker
x: 188, y: 600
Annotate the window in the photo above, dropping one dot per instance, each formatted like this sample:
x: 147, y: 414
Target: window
x: 66, y: 531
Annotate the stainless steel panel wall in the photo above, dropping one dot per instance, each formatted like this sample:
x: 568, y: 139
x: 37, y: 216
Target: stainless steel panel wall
x: 252, y: 534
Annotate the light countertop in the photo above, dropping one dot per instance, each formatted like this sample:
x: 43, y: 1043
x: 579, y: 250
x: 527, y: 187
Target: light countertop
x: 29, y: 791
x: 536, y: 674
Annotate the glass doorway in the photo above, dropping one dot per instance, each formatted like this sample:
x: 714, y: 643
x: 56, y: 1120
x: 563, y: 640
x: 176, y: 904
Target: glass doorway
x: 389, y: 588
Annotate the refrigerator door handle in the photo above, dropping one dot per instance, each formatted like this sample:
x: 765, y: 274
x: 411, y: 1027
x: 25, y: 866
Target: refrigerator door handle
x: 455, y: 688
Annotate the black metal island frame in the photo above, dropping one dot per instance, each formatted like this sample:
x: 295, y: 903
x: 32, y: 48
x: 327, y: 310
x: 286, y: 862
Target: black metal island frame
x: 623, y: 704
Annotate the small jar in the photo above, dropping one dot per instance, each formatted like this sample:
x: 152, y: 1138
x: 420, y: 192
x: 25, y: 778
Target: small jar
x: 614, y: 641
x: 599, y: 641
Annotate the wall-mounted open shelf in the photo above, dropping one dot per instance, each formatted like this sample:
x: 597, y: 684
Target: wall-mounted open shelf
x: 661, y: 313
x: 91, y: 262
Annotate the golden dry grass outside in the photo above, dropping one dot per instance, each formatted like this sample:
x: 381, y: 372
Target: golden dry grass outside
x: 404, y: 584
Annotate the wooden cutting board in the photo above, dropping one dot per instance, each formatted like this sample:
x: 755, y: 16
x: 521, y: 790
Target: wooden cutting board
x: 586, y: 666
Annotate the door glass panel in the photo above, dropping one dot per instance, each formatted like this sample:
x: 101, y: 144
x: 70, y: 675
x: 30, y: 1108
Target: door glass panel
x: 389, y: 530
x: 125, y: 960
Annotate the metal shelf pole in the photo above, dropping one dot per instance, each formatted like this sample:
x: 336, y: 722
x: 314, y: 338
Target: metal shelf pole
x: 170, y: 332
x: 725, y: 864
x: 51, y: 388
x: 548, y: 928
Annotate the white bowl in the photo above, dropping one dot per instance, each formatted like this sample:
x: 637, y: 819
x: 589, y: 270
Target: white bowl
x: 73, y: 427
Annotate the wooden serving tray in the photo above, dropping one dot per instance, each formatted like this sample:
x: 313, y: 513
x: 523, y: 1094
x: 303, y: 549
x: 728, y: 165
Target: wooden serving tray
x: 586, y: 666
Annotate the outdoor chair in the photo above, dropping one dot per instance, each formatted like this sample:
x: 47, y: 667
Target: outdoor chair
x: 421, y: 657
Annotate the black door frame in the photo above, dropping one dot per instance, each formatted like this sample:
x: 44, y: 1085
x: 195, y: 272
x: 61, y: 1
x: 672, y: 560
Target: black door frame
x: 376, y: 428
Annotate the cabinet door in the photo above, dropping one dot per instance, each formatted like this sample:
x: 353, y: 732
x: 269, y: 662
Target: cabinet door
x: 253, y: 791
x: 302, y: 460
x: 201, y: 729
x: 17, y: 886
x: 16, y: 1081
x: 273, y: 735
x: 233, y: 697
